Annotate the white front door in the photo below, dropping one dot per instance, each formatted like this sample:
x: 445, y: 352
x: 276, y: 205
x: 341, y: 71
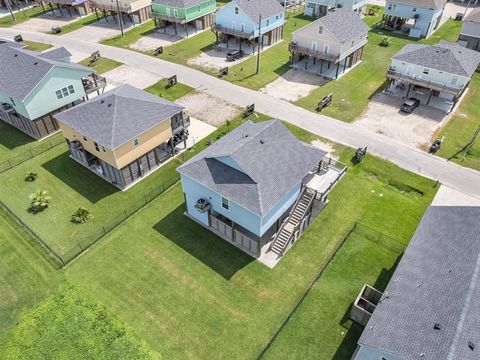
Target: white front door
x: 234, y: 25
x: 314, y: 45
x: 167, y: 10
x: 326, y: 48
x: 175, y: 12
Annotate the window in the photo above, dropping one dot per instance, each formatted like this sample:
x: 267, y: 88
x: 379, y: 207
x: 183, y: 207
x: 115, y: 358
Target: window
x: 103, y: 148
x: 59, y: 94
x: 414, y: 9
x: 225, y: 203
x: 236, y: 10
x: 136, y: 142
x: 320, y: 30
x: 454, y: 80
x: 276, y: 18
x: 389, y: 6
x: 70, y: 89
x: 268, y: 22
x: 65, y: 92
x: 96, y: 147
x: 426, y: 71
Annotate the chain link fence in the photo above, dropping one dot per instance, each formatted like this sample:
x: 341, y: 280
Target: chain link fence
x: 378, y: 237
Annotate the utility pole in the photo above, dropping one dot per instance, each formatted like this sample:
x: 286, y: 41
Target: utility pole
x: 259, y: 40
x: 120, y: 23
x: 7, y: 2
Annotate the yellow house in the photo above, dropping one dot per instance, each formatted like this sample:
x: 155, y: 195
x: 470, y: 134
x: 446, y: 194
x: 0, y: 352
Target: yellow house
x: 124, y: 134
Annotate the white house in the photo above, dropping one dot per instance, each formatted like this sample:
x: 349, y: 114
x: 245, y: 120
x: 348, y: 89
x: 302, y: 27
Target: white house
x: 470, y: 34
x: 319, y: 8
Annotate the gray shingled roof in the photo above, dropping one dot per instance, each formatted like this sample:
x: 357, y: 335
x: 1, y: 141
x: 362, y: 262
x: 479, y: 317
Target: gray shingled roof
x: 445, y: 56
x: 474, y: 16
x: 179, y: 3
x: 118, y: 115
x: 22, y: 70
x: 426, y: 4
x: 58, y: 54
x: 436, y: 281
x: 272, y: 159
x: 344, y: 24
x: 253, y: 8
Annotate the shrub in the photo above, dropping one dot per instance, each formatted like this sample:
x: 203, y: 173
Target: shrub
x: 81, y: 216
x: 31, y: 176
x: 386, y: 41
x: 40, y: 201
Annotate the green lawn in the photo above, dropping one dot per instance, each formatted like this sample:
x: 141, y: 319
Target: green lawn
x: 70, y: 325
x: 461, y: 128
x: 36, y: 46
x: 14, y: 144
x: 320, y: 329
x: 7, y: 21
x: 353, y: 91
x: 173, y: 93
x: 101, y: 66
x: 132, y: 35
x: 189, y: 294
x: 87, y: 20
x: 25, y: 278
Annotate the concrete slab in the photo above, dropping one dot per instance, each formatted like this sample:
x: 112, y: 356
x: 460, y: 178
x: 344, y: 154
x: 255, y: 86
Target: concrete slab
x: 198, y: 130
x: 294, y: 85
x: 209, y: 109
x: 136, y: 77
x: 44, y: 23
x: 99, y: 30
x: 449, y: 197
x: 383, y: 116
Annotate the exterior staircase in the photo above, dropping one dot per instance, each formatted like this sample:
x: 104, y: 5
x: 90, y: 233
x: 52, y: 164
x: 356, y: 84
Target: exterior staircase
x: 287, y: 231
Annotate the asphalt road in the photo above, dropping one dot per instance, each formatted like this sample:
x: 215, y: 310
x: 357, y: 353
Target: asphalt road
x: 410, y: 158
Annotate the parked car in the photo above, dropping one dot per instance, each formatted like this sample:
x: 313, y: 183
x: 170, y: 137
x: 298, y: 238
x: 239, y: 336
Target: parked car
x: 235, y: 55
x: 409, y: 105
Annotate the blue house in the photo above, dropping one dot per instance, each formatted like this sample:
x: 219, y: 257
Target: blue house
x: 319, y: 8
x: 239, y: 20
x: 419, y: 18
x: 258, y: 187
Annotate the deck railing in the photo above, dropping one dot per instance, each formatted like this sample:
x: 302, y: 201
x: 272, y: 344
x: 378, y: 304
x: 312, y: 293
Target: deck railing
x: 176, y: 19
x: 93, y: 83
x: 234, y: 32
x: 415, y: 80
x: 293, y: 47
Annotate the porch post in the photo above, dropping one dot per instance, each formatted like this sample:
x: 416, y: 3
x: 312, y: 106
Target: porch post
x: 338, y: 67
x: 429, y: 97
x: 409, y: 88
x: 96, y: 83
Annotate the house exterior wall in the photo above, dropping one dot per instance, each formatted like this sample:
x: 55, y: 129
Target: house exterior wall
x: 194, y: 191
x: 471, y: 35
x: 188, y: 14
x: 126, y: 153
x: 43, y: 99
x: 369, y: 353
x: 311, y: 6
x: 126, y: 6
x: 427, y: 18
x: 227, y: 18
x: 433, y: 75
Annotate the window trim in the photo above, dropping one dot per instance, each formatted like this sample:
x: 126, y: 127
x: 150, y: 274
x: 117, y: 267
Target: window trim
x: 225, y: 202
x: 136, y: 142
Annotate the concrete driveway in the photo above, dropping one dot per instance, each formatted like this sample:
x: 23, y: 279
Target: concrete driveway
x: 383, y: 116
x: 44, y: 23
x: 133, y: 76
x: 98, y: 31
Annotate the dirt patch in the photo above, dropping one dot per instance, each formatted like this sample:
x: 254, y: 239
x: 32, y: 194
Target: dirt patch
x: 136, y: 77
x: 152, y: 41
x: 98, y: 31
x: 322, y: 145
x: 207, y: 108
x: 294, y: 84
x: 215, y: 59
x: 384, y: 117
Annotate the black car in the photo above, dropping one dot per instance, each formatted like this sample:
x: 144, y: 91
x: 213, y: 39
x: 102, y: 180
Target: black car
x: 235, y: 55
x: 409, y: 105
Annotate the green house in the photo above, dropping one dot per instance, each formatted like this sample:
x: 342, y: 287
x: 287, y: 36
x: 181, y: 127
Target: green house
x: 191, y: 15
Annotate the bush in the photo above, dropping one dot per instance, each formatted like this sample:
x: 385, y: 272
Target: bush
x: 40, y: 201
x: 386, y: 42
x: 31, y: 176
x: 81, y: 216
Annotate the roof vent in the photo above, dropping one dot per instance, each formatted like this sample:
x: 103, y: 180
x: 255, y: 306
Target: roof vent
x: 102, y: 101
x: 35, y: 63
x: 471, y: 345
x: 437, y: 326
x: 262, y: 141
x: 418, y: 285
x: 15, y: 55
x: 109, y: 105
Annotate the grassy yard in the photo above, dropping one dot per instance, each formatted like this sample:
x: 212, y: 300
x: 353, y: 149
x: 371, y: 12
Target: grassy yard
x: 14, y: 143
x: 461, y: 128
x: 87, y: 20
x: 191, y: 295
x: 25, y: 278
x: 353, y: 91
x: 322, y: 321
x: 36, y: 46
x: 70, y: 325
x: 7, y: 21
x: 101, y: 66
x: 173, y: 93
x: 132, y: 35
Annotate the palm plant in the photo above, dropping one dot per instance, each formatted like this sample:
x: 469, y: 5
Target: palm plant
x: 39, y: 201
x: 81, y: 216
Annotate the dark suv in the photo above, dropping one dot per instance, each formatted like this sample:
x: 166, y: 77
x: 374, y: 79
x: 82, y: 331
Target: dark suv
x: 235, y: 55
x: 409, y: 105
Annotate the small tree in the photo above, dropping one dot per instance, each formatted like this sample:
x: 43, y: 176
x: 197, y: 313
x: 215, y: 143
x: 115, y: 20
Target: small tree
x: 386, y: 41
x: 81, y: 216
x: 31, y: 176
x: 40, y: 201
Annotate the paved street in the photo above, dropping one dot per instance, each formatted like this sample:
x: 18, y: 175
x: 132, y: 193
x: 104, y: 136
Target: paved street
x: 408, y: 157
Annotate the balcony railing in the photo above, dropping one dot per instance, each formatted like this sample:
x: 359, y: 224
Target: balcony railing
x: 110, y: 7
x: 315, y: 53
x: 175, y: 19
x: 93, y: 83
x: 181, y: 124
x: 415, y: 80
x: 234, y: 32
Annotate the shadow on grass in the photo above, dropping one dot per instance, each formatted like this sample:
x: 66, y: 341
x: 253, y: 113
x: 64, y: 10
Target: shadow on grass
x: 12, y: 138
x: 204, y: 245
x: 80, y: 179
